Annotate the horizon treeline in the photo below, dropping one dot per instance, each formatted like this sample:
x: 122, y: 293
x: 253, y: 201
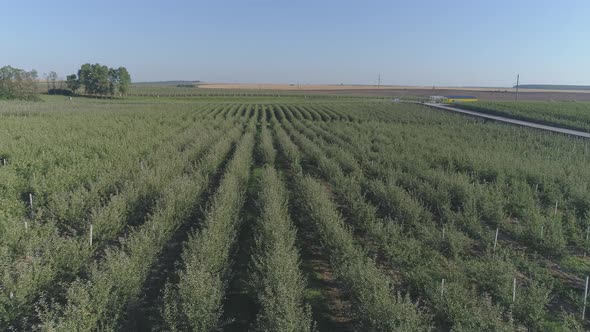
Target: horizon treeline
x: 17, y: 83
x: 96, y: 79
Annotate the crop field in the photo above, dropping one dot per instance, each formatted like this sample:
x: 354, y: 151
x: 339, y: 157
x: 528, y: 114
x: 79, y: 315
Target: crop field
x: 287, y: 214
x: 172, y: 91
x: 493, y: 96
x: 571, y: 115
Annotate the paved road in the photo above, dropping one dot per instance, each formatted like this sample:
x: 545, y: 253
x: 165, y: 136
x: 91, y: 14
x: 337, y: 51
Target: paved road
x: 510, y: 120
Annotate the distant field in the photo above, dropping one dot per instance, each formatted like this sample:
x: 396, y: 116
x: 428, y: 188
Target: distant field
x: 409, y: 92
x: 143, y: 90
x: 572, y: 115
x: 555, y: 87
x: 169, y: 89
x: 255, y: 213
x: 488, y: 95
x: 344, y: 87
x: 296, y: 87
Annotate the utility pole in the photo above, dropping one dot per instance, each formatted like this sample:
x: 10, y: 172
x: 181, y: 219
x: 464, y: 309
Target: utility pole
x: 379, y: 81
x: 517, y: 82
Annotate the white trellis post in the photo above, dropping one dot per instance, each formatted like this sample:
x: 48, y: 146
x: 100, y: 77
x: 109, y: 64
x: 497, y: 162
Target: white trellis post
x: 585, y: 298
x: 31, y: 201
x: 91, y: 235
x: 555, y: 211
x: 496, y: 239
x: 442, y: 287
x: 514, y: 290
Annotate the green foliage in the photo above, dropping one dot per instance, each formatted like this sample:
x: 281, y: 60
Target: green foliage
x: 470, y: 201
x: 123, y: 80
x: 530, y: 305
x: 73, y: 83
x: 52, y: 80
x: 97, y: 303
x: 278, y: 282
x: 206, y: 259
x: 266, y: 151
x: 464, y: 310
x: 98, y: 79
x: 95, y: 78
x: 17, y: 83
x: 401, y: 197
x: 112, y: 202
x: 573, y: 115
x: 571, y: 323
x: 375, y: 302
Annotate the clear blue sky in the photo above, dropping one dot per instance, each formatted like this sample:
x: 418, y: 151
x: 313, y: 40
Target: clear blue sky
x: 483, y: 43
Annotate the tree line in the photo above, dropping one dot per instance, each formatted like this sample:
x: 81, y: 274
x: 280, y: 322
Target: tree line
x: 99, y: 79
x: 17, y: 83
x: 96, y: 79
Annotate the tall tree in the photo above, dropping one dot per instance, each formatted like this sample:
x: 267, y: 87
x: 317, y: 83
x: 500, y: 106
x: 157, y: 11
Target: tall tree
x: 95, y: 78
x: 53, y: 78
x: 119, y: 81
x: 102, y: 80
x: 72, y: 82
x: 101, y: 75
x: 124, y: 80
x: 113, y: 80
x: 84, y: 76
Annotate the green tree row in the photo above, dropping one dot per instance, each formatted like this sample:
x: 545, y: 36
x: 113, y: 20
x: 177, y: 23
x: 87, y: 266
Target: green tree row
x: 196, y: 302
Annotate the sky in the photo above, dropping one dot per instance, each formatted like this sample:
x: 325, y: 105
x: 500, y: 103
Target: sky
x: 417, y: 42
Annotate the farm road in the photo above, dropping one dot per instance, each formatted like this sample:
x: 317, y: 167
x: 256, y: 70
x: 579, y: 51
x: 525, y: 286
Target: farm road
x: 511, y: 121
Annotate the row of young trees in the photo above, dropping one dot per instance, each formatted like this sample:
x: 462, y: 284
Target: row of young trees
x: 99, y: 79
x: 462, y: 206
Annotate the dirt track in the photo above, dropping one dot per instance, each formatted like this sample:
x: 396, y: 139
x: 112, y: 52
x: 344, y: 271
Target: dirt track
x: 509, y: 120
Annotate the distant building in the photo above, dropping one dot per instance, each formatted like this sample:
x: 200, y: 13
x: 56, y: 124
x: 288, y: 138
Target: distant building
x: 438, y: 99
x: 460, y: 99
